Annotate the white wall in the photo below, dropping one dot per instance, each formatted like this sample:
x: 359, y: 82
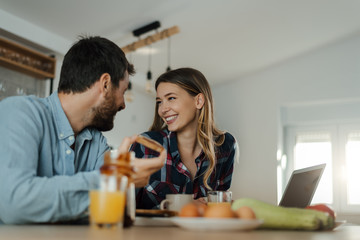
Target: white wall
x: 250, y: 108
x: 134, y: 119
x: 33, y: 33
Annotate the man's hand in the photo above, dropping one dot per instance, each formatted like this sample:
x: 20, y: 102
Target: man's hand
x: 143, y: 167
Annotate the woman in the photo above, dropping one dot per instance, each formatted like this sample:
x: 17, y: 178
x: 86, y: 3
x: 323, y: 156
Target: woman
x: 200, y: 157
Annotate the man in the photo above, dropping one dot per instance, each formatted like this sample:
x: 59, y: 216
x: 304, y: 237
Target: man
x: 51, y: 148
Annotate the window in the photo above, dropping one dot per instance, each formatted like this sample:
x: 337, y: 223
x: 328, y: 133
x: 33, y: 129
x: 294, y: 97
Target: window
x: 352, y: 168
x: 314, y: 148
x: 339, y: 147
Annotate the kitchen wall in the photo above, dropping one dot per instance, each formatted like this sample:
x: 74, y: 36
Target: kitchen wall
x: 250, y: 107
x: 134, y: 119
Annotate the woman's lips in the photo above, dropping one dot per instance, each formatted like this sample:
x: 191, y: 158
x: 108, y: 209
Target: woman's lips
x: 170, y: 119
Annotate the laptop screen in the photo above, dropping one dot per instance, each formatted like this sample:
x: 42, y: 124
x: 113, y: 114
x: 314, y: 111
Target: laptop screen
x: 301, y: 186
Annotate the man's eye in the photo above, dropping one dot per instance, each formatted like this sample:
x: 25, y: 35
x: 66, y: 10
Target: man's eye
x: 158, y: 102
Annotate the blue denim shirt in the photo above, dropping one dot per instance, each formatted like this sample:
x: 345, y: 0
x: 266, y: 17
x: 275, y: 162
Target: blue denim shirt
x: 42, y: 179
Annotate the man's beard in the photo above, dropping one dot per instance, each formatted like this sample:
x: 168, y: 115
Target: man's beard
x: 104, y: 115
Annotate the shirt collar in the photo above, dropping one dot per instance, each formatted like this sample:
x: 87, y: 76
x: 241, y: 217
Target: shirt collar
x: 62, y: 123
x: 172, y: 141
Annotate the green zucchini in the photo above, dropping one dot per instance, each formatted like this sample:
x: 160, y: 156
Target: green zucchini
x: 276, y: 217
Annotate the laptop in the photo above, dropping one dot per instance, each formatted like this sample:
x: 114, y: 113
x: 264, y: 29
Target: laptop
x: 301, y: 187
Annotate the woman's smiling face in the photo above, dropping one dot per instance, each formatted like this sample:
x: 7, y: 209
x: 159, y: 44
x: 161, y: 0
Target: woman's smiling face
x: 176, y: 107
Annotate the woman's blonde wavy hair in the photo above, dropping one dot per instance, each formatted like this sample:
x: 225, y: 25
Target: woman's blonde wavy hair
x: 208, y: 136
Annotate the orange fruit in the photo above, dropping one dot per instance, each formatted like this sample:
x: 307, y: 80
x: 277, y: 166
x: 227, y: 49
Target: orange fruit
x: 245, y: 212
x: 219, y: 211
x: 189, y: 210
x: 201, y: 208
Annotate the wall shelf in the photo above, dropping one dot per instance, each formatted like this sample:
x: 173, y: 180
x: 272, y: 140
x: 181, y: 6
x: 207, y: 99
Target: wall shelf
x: 27, y: 61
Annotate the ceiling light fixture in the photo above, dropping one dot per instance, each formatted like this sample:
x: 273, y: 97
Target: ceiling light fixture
x: 147, y: 28
x: 149, y: 39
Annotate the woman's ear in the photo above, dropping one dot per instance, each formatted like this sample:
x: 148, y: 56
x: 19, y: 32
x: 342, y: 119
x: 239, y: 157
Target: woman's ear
x: 199, y: 101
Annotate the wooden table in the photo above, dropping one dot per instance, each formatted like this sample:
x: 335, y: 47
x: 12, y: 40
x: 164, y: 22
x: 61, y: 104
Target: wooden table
x: 66, y: 232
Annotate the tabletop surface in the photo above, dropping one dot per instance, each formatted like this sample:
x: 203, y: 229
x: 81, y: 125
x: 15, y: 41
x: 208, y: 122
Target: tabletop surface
x: 344, y: 232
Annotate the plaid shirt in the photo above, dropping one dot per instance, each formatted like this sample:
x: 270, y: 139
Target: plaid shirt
x: 174, y: 177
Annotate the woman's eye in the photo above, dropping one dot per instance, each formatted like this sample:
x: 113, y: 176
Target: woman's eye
x: 158, y: 102
x: 171, y: 98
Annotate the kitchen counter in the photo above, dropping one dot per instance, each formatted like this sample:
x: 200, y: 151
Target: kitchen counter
x: 344, y: 232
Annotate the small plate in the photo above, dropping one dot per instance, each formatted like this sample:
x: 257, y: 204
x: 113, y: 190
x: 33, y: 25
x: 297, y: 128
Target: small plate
x: 153, y: 221
x: 155, y: 213
x: 339, y: 223
x: 216, y: 224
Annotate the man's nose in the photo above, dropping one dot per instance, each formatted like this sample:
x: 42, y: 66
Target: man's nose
x: 122, y: 107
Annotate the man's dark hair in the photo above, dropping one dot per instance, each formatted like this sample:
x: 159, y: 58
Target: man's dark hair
x: 87, y: 60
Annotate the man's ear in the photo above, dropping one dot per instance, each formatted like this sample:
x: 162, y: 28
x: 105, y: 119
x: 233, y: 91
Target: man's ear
x: 199, y: 100
x: 105, y: 83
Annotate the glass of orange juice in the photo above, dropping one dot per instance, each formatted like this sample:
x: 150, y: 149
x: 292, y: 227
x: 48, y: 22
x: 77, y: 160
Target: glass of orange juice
x: 107, y: 203
x: 219, y: 197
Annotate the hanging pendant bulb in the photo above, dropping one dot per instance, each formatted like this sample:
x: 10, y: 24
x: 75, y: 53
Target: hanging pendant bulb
x: 129, y: 96
x: 149, y: 75
x: 169, y: 54
x: 148, y: 82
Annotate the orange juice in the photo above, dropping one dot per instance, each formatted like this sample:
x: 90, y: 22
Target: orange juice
x: 216, y: 203
x: 106, y: 207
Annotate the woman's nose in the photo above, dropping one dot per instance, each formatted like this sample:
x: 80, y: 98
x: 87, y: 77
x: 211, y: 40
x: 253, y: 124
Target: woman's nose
x: 163, y: 108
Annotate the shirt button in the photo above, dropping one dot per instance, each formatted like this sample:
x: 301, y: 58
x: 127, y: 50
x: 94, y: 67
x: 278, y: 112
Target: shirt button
x: 61, y: 135
x: 68, y: 151
x: 71, y: 138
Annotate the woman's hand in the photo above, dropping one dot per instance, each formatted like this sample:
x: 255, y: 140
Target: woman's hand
x: 145, y: 167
